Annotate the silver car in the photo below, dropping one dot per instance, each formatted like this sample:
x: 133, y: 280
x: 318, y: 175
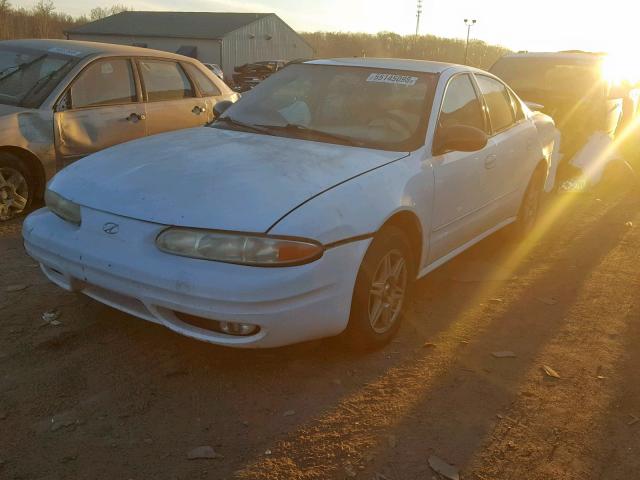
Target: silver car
x: 61, y: 100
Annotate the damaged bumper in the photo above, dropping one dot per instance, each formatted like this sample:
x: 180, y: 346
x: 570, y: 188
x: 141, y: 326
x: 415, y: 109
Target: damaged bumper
x: 127, y: 272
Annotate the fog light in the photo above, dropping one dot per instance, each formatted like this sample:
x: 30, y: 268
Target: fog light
x: 239, y: 329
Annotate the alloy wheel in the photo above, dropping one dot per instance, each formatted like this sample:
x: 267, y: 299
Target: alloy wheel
x: 387, y: 291
x: 14, y: 193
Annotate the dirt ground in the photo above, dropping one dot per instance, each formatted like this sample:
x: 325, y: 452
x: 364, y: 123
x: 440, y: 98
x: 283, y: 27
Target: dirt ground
x: 106, y: 396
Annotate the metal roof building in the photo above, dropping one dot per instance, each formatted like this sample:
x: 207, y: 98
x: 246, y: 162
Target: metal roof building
x: 228, y: 39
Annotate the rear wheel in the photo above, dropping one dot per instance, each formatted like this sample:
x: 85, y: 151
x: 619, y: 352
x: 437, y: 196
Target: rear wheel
x: 381, y: 290
x: 530, y: 206
x: 16, y: 187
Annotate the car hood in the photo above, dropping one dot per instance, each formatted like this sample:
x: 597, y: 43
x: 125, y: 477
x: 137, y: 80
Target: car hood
x: 212, y: 178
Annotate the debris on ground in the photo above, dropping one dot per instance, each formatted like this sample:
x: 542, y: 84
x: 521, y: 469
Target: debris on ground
x: 629, y: 224
x: 289, y: 413
x: 495, y: 300
x: 550, y: 371
x: 428, y: 345
x: 51, y: 316
x: 58, y: 423
x: 204, y: 452
x: 16, y: 288
x: 443, y: 468
x: 504, y: 354
x: 350, y: 471
x: 267, y: 452
x: 547, y: 300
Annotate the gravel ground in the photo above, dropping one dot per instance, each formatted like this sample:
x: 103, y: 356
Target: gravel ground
x: 103, y: 395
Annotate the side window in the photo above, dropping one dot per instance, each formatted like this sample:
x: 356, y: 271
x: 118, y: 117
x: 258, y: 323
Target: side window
x: 205, y: 84
x: 498, y: 101
x: 517, y: 106
x: 165, y: 80
x: 105, y: 82
x: 461, y: 105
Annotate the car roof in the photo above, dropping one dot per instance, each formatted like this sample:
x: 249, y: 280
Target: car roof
x: 91, y: 48
x: 569, y: 55
x: 425, y: 66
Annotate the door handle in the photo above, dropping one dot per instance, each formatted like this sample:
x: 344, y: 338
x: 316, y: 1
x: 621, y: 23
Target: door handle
x: 197, y: 110
x: 490, y: 161
x: 136, y: 117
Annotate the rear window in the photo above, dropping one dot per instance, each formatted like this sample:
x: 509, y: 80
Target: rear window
x: 165, y: 80
x: 498, y: 102
x: 205, y: 84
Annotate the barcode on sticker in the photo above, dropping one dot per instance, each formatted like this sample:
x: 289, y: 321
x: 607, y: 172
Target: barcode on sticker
x: 392, y: 78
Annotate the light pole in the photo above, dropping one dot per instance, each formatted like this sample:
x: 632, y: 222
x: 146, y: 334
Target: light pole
x: 418, y: 13
x: 469, y: 24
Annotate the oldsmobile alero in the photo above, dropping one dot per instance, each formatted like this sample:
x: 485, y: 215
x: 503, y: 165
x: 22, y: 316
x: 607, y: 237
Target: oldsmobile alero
x: 305, y: 211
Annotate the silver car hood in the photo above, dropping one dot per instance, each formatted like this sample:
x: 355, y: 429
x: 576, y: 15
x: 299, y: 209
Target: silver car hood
x: 212, y: 178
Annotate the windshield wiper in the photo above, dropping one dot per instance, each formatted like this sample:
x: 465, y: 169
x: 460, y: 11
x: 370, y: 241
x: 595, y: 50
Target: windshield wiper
x: 237, y: 123
x: 20, y: 67
x: 294, y: 127
x: 40, y: 84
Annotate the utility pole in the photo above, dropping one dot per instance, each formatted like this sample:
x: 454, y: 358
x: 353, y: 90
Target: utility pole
x: 469, y: 24
x: 418, y: 14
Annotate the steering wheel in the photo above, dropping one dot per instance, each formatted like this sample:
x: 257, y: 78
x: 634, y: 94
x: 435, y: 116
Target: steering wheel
x: 390, y: 119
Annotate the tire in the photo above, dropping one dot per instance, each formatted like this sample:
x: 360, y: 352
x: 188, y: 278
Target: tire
x: 17, y: 188
x: 530, y: 206
x: 376, y: 313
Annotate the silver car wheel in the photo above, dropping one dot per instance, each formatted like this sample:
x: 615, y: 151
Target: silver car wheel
x: 387, y: 291
x: 14, y: 193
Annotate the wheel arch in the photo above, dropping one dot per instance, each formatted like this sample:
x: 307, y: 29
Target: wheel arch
x: 409, y: 223
x: 36, y: 168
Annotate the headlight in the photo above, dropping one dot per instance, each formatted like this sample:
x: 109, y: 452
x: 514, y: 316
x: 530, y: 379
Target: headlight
x: 65, y: 209
x: 244, y: 249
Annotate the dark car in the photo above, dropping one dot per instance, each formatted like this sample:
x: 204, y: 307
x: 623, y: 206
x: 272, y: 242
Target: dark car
x: 570, y: 87
x: 247, y: 76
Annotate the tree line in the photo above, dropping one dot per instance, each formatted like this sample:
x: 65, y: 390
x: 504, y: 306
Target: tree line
x: 392, y: 45
x: 43, y: 21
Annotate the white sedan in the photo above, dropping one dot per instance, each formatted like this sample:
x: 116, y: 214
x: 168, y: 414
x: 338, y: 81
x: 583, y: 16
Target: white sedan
x: 306, y: 210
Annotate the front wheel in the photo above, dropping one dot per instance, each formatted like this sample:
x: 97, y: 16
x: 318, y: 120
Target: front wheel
x: 16, y: 187
x: 381, y: 290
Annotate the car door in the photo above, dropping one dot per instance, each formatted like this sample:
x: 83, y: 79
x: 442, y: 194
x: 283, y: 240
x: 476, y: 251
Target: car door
x: 462, y: 179
x: 207, y: 89
x: 101, y: 107
x: 172, y: 101
x: 517, y: 147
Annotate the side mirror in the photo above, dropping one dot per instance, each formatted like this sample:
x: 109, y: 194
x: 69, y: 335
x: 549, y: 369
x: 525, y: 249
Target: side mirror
x: 459, y: 138
x: 533, y: 106
x: 221, y: 107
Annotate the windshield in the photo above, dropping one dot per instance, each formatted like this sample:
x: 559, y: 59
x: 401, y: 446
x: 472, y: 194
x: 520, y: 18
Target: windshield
x: 27, y: 76
x: 531, y: 77
x: 365, y: 107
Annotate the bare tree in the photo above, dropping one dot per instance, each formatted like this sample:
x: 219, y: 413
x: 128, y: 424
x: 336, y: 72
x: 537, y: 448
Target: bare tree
x: 102, y: 12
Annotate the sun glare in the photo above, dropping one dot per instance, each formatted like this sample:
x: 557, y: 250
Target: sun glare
x: 620, y: 66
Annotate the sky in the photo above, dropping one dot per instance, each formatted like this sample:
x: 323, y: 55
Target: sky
x: 551, y: 25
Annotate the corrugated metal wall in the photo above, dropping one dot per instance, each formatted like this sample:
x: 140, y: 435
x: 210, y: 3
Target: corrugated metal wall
x: 266, y: 39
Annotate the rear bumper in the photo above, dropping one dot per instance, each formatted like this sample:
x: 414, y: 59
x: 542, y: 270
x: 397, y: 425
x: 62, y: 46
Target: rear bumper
x: 127, y: 272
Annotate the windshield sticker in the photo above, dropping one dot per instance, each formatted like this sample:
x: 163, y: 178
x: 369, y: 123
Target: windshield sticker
x: 65, y: 51
x: 392, y: 78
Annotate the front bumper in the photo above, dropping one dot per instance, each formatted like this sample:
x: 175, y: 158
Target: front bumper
x: 127, y: 272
